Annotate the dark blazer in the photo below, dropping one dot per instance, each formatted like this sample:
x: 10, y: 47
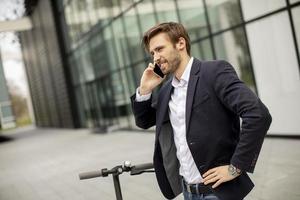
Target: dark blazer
x: 216, y: 100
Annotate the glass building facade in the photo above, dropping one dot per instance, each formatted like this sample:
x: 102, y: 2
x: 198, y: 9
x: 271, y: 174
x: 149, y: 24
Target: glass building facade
x: 101, y: 42
x: 7, y: 119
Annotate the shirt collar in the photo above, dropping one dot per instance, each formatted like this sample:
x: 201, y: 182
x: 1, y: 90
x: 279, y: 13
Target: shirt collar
x: 185, y: 76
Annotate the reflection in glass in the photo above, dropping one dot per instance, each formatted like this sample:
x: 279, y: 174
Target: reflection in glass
x: 133, y: 36
x: 132, y: 84
x: 70, y: 22
x: 77, y: 25
x: 138, y: 70
x: 296, y: 18
x: 99, y: 57
x: 232, y: 47
x: 80, y: 107
x: 166, y: 10
x: 84, y: 104
x: 106, y: 98
x: 125, y: 4
x: 255, y: 8
x: 91, y: 9
x: 86, y: 63
x: 120, y: 43
x: 294, y: 1
x: 82, y: 15
x: 223, y: 14
x: 202, y: 50
x: 112, y: 60
x: 73, y: 68
x: 276, y: 69
x: 192, y: 16
x: 77, y: 59
x: 146, y: 15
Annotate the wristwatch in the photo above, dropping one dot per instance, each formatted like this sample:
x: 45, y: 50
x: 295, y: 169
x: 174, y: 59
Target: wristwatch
x: 233, y: 171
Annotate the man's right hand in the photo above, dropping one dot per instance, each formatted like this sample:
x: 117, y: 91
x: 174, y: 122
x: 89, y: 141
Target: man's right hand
x: 149, y: 80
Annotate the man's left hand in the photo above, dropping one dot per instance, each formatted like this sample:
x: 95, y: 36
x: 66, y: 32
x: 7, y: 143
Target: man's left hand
x: 217, y: 176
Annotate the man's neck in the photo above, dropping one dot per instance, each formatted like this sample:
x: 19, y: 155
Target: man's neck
x: 178, y: 73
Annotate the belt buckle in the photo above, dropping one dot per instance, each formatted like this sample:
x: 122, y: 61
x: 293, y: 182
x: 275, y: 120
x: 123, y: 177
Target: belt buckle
x: 188, y: 188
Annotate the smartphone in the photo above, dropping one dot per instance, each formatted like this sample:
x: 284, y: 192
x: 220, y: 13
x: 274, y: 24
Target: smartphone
x: 158, y: 71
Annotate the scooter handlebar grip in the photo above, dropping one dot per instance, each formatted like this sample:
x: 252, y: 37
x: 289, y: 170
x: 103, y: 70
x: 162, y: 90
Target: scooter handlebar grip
x: 144, y: 166
x: 91, y: 174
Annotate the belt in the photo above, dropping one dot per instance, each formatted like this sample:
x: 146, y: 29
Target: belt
x: 198, y: 188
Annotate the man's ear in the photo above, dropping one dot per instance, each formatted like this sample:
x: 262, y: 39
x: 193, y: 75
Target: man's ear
x: 180, y: 45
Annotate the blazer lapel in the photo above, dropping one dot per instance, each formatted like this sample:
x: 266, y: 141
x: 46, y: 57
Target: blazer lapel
x: 163, y: 105
x: 191, y: 90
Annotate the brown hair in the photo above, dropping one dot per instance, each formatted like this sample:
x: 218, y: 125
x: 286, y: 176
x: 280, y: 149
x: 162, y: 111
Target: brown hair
x: 172, y: 29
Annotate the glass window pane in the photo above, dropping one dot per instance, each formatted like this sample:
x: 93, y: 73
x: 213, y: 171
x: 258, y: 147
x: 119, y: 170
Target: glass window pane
x: 192, y: 16
x: 4, y: 96
x: 6, y: 111
x: 87, y: 63
x: 138, y: 70
x: 232, y: 47
x: 255, y: 8
x: 146, y: 14
x: 202, y: 50
x: 276, y: 70
x: 120, y: 43
x: 99, y: 57
x: 133, y: 36
x: 79, y: 68
x: 112, y: 61
x: 78, y: 26
x: 223, y: 14
x: 125, y: 4
x: 82, y: 15
x: 166, y: 10
x: 131, y: 80
x: 91, y: 9
x: 104, y: 10
x: 296, y: 19
x: 80, y: 107
x: 294, y: 1
x: 70, y: 22
x: 73, y: 68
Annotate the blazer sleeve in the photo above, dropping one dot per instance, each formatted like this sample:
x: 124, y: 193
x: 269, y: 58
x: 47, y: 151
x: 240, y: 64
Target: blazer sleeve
x: 144, y: 113
x: 256, y: 119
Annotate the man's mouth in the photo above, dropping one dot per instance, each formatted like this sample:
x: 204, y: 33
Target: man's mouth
x: 162, y: 66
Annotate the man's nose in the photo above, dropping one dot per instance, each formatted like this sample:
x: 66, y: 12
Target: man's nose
x: 156, y: 58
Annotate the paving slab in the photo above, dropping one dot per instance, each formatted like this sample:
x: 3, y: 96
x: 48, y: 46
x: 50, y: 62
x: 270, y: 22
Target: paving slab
x: 45, y: 163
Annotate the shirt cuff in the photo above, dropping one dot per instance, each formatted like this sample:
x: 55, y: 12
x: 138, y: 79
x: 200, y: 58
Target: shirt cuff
x: 140, y: 98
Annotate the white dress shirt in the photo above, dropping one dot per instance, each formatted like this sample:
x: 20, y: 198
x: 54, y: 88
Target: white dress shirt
x: 177, y: 108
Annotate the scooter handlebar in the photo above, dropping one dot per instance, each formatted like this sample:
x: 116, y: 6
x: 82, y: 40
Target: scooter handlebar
x: 134, y: 170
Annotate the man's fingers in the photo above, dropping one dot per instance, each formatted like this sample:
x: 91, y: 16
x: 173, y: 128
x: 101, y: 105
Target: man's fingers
x: 209, y: 172
x: 150, y: 65
x: 210, y: 177
x: 212, y: 180
x: 217, y: 183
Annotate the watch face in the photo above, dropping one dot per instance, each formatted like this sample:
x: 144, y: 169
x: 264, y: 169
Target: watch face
x: 232, y: 170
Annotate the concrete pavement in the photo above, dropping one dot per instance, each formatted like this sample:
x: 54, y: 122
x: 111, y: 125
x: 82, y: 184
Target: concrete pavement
x: 45, y: 163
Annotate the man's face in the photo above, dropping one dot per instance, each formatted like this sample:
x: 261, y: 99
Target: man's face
x: 164, y: 53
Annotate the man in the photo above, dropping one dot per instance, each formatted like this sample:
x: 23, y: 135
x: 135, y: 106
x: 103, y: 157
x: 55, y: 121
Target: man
x: 200, y: 146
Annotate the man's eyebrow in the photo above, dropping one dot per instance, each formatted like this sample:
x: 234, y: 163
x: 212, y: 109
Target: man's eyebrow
x: 156, y: 48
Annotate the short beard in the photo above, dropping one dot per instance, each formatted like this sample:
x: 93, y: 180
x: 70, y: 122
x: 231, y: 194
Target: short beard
x: 174, y: 62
